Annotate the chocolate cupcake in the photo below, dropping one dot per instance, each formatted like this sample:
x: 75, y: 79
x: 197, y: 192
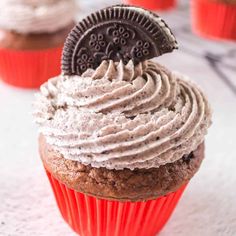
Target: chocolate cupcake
x: 120, y: 135
x: 154, y: 5
x: 214, y: 19
x: 32, y: 34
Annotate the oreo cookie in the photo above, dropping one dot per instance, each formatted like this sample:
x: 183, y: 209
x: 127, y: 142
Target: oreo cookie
x: 120, y: 32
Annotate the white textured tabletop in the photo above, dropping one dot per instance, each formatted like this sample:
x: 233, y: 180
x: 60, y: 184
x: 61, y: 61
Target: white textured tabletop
x: 208, y: 206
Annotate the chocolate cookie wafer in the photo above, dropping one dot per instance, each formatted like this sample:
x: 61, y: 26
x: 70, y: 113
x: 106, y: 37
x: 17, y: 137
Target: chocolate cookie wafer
x: 118, y: 33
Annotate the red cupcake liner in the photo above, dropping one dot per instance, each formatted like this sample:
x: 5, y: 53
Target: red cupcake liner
x: 90, y: 216
x: 29, y: 69
x: 214, y: 19
x: 153, y: 4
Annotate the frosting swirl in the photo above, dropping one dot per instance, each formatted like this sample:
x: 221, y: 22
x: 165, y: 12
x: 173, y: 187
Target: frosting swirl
x: 34, y: 16
x: 123, y: 116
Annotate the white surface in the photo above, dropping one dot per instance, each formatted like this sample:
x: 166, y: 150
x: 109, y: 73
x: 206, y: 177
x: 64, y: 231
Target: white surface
x: 208, y: 206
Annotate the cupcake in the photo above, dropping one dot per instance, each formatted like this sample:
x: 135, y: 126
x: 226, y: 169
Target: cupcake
x: 32, y: 34
x: 120, y: 136
x: 155, y: 5
x: 214, y: 18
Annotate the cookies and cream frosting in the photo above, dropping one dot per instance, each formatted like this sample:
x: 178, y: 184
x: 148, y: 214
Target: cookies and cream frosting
x: 36, y: 16
x: 123, y: 116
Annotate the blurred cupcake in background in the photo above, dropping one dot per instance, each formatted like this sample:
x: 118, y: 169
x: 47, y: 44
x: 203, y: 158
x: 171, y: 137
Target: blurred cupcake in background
x: 214, y: 18
x: 153, y: 4
x: 32, y: 33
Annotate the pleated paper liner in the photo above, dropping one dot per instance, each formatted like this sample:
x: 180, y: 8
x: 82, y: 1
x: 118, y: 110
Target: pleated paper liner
x: 89, y: 216
x: 212, y: 19
x: 29, y: 69
x: 153, y: 4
